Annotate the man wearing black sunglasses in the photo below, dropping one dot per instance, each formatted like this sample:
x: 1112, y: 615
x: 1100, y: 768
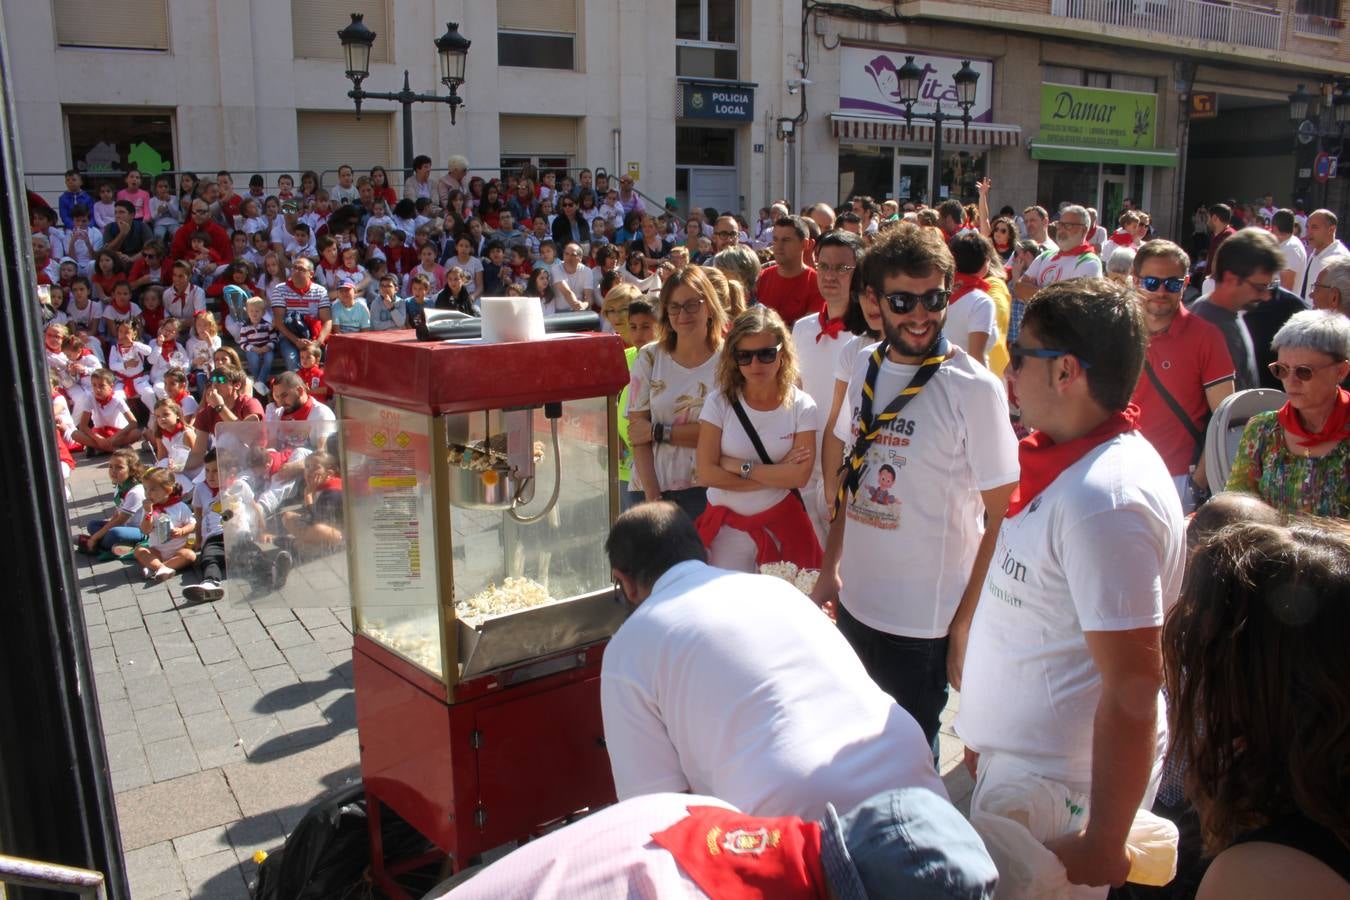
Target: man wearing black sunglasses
x: 930, y: 456
x: 1188, y: 370
x: 1246, y: 273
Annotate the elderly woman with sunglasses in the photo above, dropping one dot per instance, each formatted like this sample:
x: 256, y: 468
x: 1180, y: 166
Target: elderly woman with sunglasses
x: 756, y: 450
x: 1298, y: 458
x: 672, y: 378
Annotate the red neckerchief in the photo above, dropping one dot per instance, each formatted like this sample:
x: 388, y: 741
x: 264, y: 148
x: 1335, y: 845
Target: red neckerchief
x: 731, y: 855
x: 1043, y: 460
x: 166, y: 433
x: 174, y: 499
x: 1075, y: 251
x: 1122, y: 237
x: 103, y: 403
x: 964, y: 284
x: 357, y: 269
x: 830, y: 328
x: 301, y: 414
x: 122, y: 309
x: 1336, y: 428
x: 331, y: 484
x: 180, y: 397
x: 332, y: 268
x: 166, y: 350
x: 299, y: 293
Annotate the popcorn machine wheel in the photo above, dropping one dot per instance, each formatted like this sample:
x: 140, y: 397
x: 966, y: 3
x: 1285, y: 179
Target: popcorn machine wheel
x: 482, y: 481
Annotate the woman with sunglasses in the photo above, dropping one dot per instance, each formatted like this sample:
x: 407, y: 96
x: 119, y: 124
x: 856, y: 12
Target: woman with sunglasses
x: 755, y: 511
x: 1297, y: 459
x: 672, y: 377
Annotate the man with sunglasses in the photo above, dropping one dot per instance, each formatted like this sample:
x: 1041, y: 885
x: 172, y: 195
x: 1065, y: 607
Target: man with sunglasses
x: 1188, y: 369
x: 1072, y: 258
x: 1246, y: 272
x: 930, y: 457
x: 199, y: 219
x: 226, y: 400
x: 1063, y: 672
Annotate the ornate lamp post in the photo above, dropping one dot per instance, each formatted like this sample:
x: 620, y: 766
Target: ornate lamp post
x: 966, y: 79
x: 452, y: 48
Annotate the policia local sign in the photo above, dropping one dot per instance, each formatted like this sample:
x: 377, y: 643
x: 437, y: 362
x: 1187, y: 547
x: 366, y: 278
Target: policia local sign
x: 722, y: 102
x: 1096, y: 117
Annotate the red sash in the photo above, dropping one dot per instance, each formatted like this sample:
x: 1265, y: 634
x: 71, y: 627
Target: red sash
x: 1122, y: 238
x: 1043, y: 460
x: 731, y: 855
x: 964, y: 284
x: 783, y: 532
x: 1336, y: 428
x: 301, y: 414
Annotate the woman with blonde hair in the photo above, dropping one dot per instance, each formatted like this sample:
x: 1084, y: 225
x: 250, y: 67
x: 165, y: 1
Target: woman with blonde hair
x: 729, y: 292
x: 756, y: 450
x: 672, y: 377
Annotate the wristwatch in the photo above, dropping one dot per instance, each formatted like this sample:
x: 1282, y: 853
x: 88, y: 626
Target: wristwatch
x: 746, y: 467
x: 658, y: 433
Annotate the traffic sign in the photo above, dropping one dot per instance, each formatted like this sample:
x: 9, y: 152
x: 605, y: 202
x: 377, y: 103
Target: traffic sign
x: 1323, y: 168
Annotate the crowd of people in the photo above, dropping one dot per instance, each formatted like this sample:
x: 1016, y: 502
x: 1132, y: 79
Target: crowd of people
x: 984, y: 431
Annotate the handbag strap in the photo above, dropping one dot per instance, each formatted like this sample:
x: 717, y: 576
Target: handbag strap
x: 757, y: 443
x: 1196, y: 433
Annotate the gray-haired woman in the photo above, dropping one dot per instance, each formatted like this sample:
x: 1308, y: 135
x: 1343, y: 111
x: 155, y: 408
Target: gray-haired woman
x: 1297, y: 459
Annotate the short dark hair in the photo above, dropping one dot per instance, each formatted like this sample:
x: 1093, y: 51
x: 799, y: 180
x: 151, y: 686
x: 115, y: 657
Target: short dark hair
x: 970, y: 252
x: 951, y: 209
x: 649, y: 539
x: 1250, y: 250
x: 846, y: 239
x: 847, y: 218
x: 79, y: 210
x: 127, y: 205
x: 1283, y: 220
x: 641, y: 306
x: 1221, y: 211
x: 795, y: 223
x: 421, y: 160
x: 1100, y: 322
x: 910, y: 250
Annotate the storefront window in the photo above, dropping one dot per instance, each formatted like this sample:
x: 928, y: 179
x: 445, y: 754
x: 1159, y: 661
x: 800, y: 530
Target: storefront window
x: 705, y: 146
x: 865, y: 170
x: 961, y: 172
x: 1067, y: 182
x: 113, y: 140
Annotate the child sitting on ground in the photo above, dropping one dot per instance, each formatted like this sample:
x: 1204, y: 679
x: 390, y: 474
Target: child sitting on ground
x: 176, y: 389
x: 213, y: 509
x: 108, y: 424
x: 125, y: 470
x: 173, y: 437
x: 167, y: 524
x: 316, y: 529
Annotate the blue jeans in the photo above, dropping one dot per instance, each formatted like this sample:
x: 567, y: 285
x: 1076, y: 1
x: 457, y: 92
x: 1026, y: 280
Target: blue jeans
x: 259, y: 365
x: 118, y: 534
x: 290, y: 353
x: 912, y: 670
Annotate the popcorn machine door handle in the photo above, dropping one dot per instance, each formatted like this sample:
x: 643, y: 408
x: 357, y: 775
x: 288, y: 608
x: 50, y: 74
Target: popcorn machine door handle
x: 557, y: 481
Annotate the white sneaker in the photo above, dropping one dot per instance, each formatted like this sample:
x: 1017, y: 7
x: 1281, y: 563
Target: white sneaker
x: 206, y: 592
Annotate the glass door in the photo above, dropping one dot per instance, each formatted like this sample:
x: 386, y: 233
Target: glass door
x: 913, y: 179
x: 1111, y: 201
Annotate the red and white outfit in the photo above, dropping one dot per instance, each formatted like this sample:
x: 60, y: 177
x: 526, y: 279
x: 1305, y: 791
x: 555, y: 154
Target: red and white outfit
x: 1119, y: 238
x: 314, y: 382
x: 1051, y: 266
x: 173, y: 440
x: 183, y: 307
x: 179, y: 514
x: 820, y: 341
x: 132, y: 368
x: 287, y: 299
x: 164, y: 357
x: 108, y: 418
x: 114, y: 316
x: 744, y: 529
x: 971, y: 310
x: 1100, y: 547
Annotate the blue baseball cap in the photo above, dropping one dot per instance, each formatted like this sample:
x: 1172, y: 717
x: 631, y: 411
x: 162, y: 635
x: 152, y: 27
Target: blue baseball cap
x: 907, y: 843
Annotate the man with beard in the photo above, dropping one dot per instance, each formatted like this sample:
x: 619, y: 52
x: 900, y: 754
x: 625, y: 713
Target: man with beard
x: 931, y: 458
x: 1246, y: 272
x: 1187, y: 371
x: 1075, y: 257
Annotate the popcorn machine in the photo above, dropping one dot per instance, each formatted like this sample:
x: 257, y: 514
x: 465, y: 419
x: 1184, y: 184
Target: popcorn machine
x: 481, y: 482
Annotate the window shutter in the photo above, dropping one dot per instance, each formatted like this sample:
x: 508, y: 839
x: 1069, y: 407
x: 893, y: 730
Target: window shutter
x: 315, y: 24
x: 124, y: 24
x: 537, y: 15
x: 539, y: 136
x: 329, y: 139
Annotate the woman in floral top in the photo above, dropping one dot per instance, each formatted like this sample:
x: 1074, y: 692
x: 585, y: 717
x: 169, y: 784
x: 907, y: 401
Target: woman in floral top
x: 672, y: 376
x: 1298, y: 458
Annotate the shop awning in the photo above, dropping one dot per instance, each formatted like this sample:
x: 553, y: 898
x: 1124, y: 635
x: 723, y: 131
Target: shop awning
x: 1167, y: 158
x: 867, y: 128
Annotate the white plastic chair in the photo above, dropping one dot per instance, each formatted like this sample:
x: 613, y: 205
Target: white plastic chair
x: 1226, y: 427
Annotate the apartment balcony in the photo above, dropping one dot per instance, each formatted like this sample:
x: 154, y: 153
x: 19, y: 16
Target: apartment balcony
x: 1318, y: 27
x: 1240, y: 24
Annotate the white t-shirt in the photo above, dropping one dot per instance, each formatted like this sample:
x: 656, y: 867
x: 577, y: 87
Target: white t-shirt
x: 734, y: 685
x: 1316, y: 263
x: 972, y: 314
x: 673, y: 395
x: 132, y: 363
x: 1050, y: 267
x: 113, y: 414
x: 179, y: 515
x: 579, y: 281
x: 210, y: 504
x: 133, y: 503
x: 607, y: 854
x: 818, y: 361
x: 471, y: 268
x: 1295, y: 257
x: 914, y: 524
x: 777, y: 429
x: 184, y: 307
x: 1100, y: 549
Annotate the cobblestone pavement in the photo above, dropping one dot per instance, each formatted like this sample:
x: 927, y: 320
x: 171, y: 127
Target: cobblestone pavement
x: 224, y: 723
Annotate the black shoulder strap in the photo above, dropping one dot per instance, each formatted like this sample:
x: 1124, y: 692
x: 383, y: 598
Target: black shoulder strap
x: 751, y: 432
x: 1196, y: 432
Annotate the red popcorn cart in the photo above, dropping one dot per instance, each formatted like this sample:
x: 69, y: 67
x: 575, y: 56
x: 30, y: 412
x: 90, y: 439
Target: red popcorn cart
x: 481, y: 483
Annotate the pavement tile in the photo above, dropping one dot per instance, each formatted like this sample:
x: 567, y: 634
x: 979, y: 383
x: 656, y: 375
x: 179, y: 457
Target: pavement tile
x: 117, y: 717
x: 289, y: 634
x: 164, y: 623
x: 124, y: 749
x: 261, y: 735
x: 175, y: 646
x: 307, y: 658
x: 261, y: 655
x: 118, y: 598
x: 294, y: 781
x: 186, y: 670
x: 203, y: 627
x: 229, y: 674
x: 306, y: 715
x: 170, y: 809
x: 276, y: 677
x: 210, y: 727
x: 315, y: 617
x: 243, y: 703
x: 231, y: 612
x: 132, y: 778
x: 247, y: 631
x: 149, y: 690
x: 196, y: 697
x: 98, y: 635
x: 261, y: 832
x: 217, y: 649
x: 171, y: 759
x: 274, y: 615
x: 216, y: 877
x: 141, y: 666
x: 156, y: 600
x: 215, y: 756
x: 203, y: 843
x: 160, y: 723
x: 153, y: 871
x: 103, y: 659
x: 332, y: 638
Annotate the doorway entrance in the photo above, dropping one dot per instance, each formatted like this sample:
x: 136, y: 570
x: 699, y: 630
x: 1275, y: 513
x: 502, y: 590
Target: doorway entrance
x: 913, y: 179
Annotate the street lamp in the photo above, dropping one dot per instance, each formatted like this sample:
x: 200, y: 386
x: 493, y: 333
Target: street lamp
x: 966, y: 79
x: 1319, y: 116
x: 452, y: 49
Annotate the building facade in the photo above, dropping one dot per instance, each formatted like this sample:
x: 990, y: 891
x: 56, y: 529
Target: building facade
x: 720, y: 103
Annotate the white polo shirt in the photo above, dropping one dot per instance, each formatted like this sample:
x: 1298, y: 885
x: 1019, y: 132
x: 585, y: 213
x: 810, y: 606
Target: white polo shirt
x: 1316, y: 263
x: 1052, y: 266
x: 975, y: 313
x: 1100, y: 549
x: 817, y: 359
x: 916, y: 521
x: 737, y: 686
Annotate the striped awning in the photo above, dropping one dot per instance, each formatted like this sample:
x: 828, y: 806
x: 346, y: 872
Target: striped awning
x: 893, y: 131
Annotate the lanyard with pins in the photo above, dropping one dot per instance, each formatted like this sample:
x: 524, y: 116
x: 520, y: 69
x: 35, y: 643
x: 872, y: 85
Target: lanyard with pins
x: 869, y: 427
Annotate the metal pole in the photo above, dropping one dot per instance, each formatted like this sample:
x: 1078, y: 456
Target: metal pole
x: 407, y: 101
x: 792, y: 172
x: 938, y: 118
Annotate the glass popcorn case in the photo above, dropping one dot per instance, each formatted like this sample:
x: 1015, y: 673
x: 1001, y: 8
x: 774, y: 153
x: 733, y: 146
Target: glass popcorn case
x: 480, y: 483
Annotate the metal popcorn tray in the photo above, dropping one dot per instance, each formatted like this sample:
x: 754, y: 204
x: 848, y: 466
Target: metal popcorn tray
x: 515, y: 638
